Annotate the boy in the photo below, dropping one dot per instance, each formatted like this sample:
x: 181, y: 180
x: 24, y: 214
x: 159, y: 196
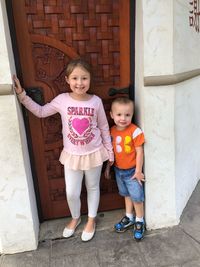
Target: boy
x: 128, y: 142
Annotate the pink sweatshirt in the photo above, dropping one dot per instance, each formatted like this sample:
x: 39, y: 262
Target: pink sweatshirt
x: 84, y: 124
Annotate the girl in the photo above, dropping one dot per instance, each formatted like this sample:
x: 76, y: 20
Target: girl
x: 86, y: 138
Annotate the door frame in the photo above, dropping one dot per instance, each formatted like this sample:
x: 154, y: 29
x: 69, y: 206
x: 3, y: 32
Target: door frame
x: 9, y: 9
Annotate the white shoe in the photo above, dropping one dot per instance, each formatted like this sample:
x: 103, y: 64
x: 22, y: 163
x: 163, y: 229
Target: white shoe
x: 67, y: 232
x: 86, y: 236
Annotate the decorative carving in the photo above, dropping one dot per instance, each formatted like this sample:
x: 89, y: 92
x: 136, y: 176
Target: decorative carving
x: 91, y: 28
x: 50, y: 64
x: 58, y: 194
x: 194, y: 17
x: 54, y: 168
x: 52, y: 129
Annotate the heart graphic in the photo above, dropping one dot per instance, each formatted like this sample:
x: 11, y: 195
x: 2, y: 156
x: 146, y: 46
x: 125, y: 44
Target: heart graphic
x: 80, y: 125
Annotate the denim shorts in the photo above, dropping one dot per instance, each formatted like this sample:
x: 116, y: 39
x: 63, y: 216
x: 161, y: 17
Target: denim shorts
x: 127, y: 186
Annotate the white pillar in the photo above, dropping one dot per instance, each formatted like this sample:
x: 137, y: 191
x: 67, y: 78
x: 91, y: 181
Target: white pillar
x: 160, y: 171
x: 19, y: 224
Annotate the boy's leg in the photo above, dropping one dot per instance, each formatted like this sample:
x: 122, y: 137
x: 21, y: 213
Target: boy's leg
x: 139, y: 209
x: 136, y: 192
x: 128, y: 220
x: 139, y: 227
x: 129, y: 208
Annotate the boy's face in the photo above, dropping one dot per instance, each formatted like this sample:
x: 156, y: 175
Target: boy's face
x: 122, y: 115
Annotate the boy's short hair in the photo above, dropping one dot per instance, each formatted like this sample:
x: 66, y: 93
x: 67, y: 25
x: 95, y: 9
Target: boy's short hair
x: 122, y: 100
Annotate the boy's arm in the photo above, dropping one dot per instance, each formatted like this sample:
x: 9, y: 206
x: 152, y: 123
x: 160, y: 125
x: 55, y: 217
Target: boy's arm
x: 139, y: 164
x: 107, y: 170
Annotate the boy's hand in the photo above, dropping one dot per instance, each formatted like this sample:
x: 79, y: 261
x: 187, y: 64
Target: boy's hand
x: 107, y: 170
x: 17, y: 85
x: 139, y: 176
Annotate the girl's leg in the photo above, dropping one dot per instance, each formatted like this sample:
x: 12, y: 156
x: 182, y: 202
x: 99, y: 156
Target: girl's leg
x: 92, y: 179
x: 73, y: 182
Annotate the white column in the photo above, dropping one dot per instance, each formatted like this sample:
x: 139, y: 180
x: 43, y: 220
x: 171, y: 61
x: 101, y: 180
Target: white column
x: 19, y: 225
x: 160, y: 157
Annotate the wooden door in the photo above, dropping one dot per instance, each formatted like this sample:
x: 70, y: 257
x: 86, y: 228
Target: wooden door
x: 49, y: 34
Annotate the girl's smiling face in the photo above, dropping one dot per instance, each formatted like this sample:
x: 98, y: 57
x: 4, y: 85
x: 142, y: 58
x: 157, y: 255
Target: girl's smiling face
x: 79, y: 82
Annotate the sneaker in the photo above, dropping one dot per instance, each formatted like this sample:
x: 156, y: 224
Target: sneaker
x: 138, y: 232
x: 124, y: 224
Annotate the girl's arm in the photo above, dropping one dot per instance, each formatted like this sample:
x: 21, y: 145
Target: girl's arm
x: 17, y: 85
x: 139, y: 164
x: 39, y: 111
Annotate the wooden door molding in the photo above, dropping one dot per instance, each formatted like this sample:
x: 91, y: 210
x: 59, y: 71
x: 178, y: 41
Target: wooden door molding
x: 46, y: 40
x: 23, y: 38
x: 124, y: 20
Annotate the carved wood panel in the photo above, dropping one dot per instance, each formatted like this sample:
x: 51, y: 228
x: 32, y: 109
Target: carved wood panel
x: 91, y: 28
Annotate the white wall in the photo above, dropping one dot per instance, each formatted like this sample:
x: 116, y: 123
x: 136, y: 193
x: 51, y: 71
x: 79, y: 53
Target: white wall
x: 19, y: 225
x: 158, y: 36
x: 169, y: 115
x: 160, y: 157
x: 187, y: 109
x: 187, y: 141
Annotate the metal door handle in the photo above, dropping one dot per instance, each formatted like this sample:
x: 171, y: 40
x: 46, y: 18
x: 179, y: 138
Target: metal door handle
x: 36, y: 94
x: 127, y: 90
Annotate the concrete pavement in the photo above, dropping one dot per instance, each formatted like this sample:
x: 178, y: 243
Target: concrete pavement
x: 178, y: 246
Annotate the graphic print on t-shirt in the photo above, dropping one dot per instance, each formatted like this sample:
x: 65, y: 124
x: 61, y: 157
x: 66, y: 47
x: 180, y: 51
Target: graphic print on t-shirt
x: 126, y: 144
x: 80, y: 122
x: 80, y: 125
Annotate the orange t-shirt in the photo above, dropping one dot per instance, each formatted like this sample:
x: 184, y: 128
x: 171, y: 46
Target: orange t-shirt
x: 124, y: 143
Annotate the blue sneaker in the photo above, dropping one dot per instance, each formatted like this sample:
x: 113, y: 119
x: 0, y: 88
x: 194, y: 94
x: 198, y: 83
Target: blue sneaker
x: 139, y: 229
x: 124, y: 224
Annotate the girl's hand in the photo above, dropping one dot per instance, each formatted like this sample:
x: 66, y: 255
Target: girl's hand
x: 139, y: 176
x: 17, y: 85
